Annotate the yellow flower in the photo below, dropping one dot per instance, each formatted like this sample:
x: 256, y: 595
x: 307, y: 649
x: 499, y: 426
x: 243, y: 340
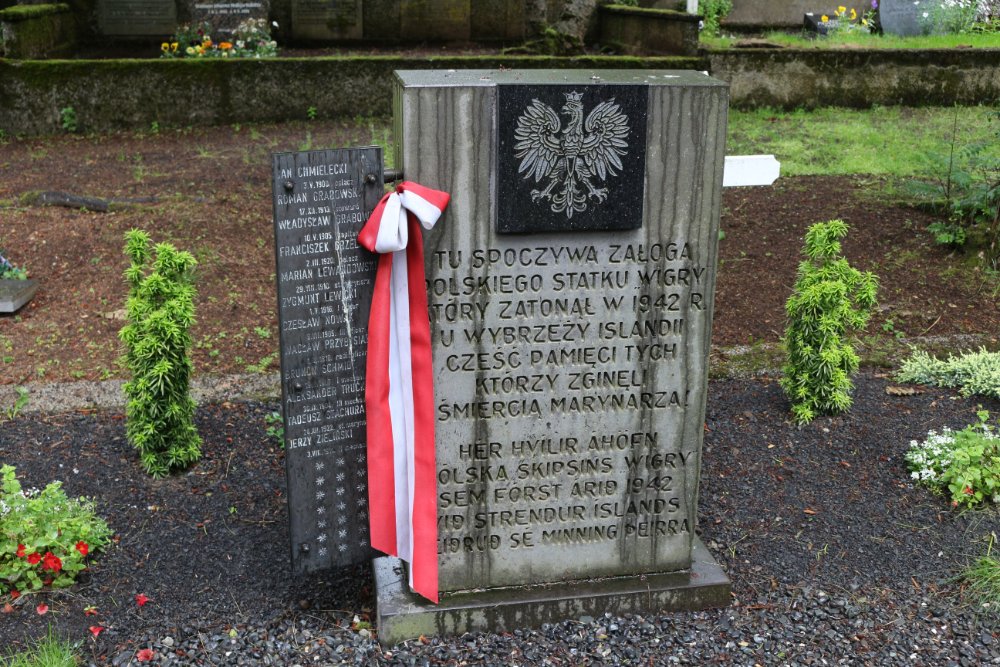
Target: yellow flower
x: 173, y: 47
x: 841, y: 9
x: 824, y: 18
x: 164, y: 47
x: 864, y: 21
x: 854, y: 14
x: 189, y: 51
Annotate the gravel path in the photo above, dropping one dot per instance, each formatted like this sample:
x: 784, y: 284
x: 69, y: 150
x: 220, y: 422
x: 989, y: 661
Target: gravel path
x: 864, y: 577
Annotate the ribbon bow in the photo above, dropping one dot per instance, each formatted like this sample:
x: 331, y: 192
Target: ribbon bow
x: 399, y: 394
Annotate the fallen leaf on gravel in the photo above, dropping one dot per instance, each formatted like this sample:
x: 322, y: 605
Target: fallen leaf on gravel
x: 141, y: 599
x: 120, y: 314
x: 810, y: 511
x: 845, y: 464
x: 145, y: 655
x: 7, y: 608
x: 42, y: 609
x: 96, y: 630
x: 903, y: 391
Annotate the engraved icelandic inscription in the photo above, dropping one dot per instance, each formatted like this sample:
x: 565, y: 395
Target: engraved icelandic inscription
x: 570, y: 158
x: 325, y: 281
x: 566, y: 394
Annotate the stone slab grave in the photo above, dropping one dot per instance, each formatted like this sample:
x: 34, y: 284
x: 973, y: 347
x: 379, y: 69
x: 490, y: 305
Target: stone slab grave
x: 225, y: 15
x: 137, y: 18
x: 325, y: 284
x: 15, y: 293
x: 571, y: 322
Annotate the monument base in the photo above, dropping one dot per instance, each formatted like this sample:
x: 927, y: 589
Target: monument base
x: 404, y: 615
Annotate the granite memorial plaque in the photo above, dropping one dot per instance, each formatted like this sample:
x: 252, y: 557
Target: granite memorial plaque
x: 137, y: 18
x: 905, y: 17
x: 570, y: 365
x: 325, y: 282
x: 225, y: 15
x: 327, y: 19
x: 570, y: 158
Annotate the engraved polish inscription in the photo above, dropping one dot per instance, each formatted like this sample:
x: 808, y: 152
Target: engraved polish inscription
x: 325, y: 281
x: 568, y: 357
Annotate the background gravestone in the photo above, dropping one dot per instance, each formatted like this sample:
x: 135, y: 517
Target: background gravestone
x: 904, y: 17
x: 570, y: 365
x: 225, y: 15
x: 325, y: 284
x: 327, y: 19
x: 137, y: 18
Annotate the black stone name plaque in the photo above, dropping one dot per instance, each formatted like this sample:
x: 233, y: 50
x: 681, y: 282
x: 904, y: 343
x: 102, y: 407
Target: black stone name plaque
x: 325, y: 282
x: 137, y: 18
x: 570, y: 157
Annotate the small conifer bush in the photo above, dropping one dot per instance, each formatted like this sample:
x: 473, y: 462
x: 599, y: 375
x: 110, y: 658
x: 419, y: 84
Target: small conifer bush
x: 830, y: 299
x: 160, y: 411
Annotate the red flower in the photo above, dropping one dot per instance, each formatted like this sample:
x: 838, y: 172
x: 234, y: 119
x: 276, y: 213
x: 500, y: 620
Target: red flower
x: 42, y: 609
x: 145, y: 655
x: 83, y: 548
x: 967, y: 490
x: 34, y: 558
x: 141, y: 599
x: 15, y: 594
x: 20, y: 551
x: 52, y: 562
x: 96, y: 630
x: 90, y: 610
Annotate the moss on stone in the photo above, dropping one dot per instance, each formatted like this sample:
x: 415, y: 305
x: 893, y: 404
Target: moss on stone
x: 19, y: 13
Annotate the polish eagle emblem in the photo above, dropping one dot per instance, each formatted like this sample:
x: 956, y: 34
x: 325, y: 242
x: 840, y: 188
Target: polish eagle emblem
x: 571, y: 158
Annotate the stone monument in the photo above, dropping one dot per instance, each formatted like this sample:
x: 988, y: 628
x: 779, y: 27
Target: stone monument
x: 137, y: 18
x: 905, y: 17
x: 570, y: 286
x: 225, y: 15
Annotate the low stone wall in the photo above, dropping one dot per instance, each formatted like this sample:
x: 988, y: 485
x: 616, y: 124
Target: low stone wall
x: 792, y: 78
x: 37, y: 31
x: 114, y: 94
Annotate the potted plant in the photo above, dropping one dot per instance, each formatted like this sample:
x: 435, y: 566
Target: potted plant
x: 16, y: 289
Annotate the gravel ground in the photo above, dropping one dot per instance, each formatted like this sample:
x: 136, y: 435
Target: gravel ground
x: 836, y: 559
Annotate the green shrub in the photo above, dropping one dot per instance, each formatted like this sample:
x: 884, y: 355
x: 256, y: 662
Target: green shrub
x: 963, y: 465
x: 44, y: 536
x: 160, y: 411
x: 830, y: 299
x: 10, y: 272
x: 971, y: 372
x: 712, y: 12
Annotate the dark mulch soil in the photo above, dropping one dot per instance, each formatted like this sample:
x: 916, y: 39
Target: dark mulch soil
x: 208, y: 191
x: 825, y: 507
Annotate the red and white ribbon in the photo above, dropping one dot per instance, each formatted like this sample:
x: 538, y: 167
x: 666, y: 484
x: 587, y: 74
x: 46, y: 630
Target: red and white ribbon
x: 399, y: 395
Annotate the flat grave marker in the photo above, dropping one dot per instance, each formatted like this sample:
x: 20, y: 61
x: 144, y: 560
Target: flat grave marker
x: 225, y: 15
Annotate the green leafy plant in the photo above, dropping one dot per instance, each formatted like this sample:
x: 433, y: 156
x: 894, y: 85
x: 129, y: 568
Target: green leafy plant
x: 830, y: 299
x: 712, y: 13
x: 67, y: 115
x: 971, y: 372
x: 963, y: 465
x: 250, y: 39
x: 20, y: 401
x: 275, y: 427
x: 9, y: 271
x: 45, y: 537
x: 311, y: 113
x: 160, y: 411
x: 964, y: 185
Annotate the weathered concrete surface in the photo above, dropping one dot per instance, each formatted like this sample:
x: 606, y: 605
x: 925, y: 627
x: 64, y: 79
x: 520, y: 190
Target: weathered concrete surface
x: 762, y: 14
x: 642, y: 31
x: 402, y: 615
x: 792, y: 78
